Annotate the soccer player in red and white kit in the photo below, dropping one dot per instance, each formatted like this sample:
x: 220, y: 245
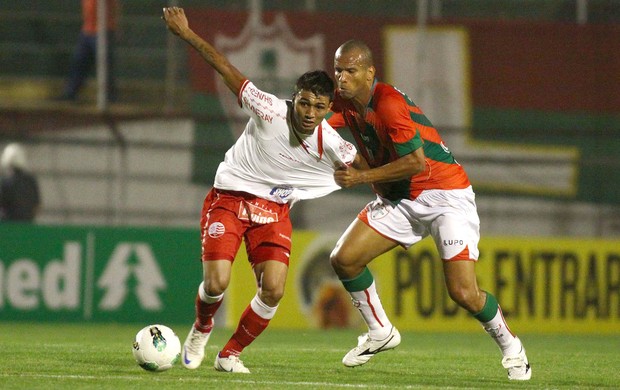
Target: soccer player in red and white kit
x: 286, y: 153
x: 421, y: 190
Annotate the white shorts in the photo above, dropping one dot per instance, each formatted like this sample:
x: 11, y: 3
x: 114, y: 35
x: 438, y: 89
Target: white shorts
x: 449, y: 216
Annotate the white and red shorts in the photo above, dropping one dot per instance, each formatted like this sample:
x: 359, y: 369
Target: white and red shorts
x: 230, y: 216
x: 449, y: 216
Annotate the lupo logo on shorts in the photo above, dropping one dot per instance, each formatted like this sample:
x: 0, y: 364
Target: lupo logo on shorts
x: 453, y: 242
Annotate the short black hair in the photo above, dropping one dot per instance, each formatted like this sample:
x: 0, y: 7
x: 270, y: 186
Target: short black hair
x: 318, y: 82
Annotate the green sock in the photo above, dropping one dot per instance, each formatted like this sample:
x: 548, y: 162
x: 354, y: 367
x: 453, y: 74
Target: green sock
x: 489, y: 310
x: 359, y: 283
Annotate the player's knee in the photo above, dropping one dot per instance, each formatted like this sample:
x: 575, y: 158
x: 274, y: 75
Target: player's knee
x: 345, y: 265
x: 337, y: 260
x: 467, y: 298
x: 215, y: 284
x: 272, y: 296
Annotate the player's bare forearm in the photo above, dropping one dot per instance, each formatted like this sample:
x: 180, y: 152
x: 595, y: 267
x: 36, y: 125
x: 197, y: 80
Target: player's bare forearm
x: 360, y: 162
x: 404, y: 167
x: 177, y: 23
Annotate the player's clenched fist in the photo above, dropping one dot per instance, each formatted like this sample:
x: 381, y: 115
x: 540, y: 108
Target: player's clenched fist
x: 175, y: 19
x: 347, y: 177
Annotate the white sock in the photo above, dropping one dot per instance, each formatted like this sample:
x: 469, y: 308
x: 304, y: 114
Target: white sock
x: 208, y: 298
x: 499, y: 331
x: 368, y: 303
x: 262, y: 309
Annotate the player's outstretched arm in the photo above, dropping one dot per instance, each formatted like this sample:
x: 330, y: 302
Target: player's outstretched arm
x: 177, y: 23
x: 404, y: 167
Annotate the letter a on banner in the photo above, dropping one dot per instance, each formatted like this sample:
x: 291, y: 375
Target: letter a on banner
x: 115, y: 277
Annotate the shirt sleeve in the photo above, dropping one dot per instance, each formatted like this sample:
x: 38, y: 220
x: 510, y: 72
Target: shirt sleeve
x: 342, y: 152
x: 400, y: 127
x: 263, y: 107
x: 335, y: 120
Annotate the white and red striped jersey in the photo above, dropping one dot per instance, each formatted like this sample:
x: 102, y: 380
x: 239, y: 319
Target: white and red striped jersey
x: 273, y: 161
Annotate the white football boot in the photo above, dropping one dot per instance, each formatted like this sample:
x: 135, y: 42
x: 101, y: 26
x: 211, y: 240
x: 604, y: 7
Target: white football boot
x: 194, y: 348
x: 367, y: 348
x: 230, y: 364
x: 518, y: 367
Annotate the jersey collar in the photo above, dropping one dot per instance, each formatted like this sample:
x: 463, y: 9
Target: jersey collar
x: 372, y: 93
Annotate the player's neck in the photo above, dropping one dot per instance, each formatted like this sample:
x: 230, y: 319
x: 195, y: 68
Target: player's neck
x: 360, y: 102
x: 300, y: 130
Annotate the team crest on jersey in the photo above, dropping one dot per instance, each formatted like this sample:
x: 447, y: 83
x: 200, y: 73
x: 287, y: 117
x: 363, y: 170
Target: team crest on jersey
x: 270, y: 56
x: 216, y: 229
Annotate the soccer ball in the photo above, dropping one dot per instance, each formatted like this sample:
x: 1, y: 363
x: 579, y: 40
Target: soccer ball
x: 156, y: 348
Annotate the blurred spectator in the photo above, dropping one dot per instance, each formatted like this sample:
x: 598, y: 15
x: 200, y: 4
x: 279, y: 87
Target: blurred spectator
x: 19, y: 190
x: 85, y: 53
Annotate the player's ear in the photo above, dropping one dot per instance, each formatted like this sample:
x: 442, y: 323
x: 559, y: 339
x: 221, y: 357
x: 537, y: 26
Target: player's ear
x: 371, y: 72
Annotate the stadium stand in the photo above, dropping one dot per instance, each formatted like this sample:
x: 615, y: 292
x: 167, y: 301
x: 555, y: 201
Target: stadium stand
x: 123, y: 165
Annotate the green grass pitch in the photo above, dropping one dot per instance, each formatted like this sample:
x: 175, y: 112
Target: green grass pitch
x: 98, y: 356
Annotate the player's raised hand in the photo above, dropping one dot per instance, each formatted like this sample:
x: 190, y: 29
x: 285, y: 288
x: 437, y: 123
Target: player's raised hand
x: 175, y: 20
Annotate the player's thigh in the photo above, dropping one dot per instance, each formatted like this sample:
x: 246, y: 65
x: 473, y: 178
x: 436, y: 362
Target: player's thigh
x: 221, y: 229
x: 360, y: 244
x: 271, y: 241
x: 222, y: 233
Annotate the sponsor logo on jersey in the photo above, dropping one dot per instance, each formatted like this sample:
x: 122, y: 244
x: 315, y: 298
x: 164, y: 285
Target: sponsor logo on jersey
x: 290, y: 158
x: 281, y: 191
x: 256, y: 110
x: 256, y: 214
x: 260, y: 95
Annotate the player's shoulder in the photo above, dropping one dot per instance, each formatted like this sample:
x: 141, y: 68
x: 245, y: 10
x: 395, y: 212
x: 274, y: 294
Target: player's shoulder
x: 387, y: 100
x: 328, y: 130
x: 263, y: 104
x: 330, y: 135
x: 257, y: 93
x: 388, y: 91
x: 332, y: 140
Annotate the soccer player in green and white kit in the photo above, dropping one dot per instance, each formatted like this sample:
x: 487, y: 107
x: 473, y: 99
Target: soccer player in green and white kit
x: 421, y: 190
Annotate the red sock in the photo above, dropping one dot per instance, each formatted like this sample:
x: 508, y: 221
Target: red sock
x: 251, y: 325
x: 204, y: 314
